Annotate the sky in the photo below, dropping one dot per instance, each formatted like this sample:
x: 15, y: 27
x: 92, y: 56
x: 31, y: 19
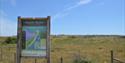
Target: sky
x: 72, y: 17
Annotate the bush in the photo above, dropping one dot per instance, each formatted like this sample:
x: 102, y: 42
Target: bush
x: 10, y: 40
x: 81, y: 61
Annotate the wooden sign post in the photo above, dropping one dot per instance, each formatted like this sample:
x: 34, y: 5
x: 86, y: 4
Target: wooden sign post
x: 33, y: 38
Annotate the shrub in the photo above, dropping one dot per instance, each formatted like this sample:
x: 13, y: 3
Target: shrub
x: 81, y: 61
x: 10, y: 40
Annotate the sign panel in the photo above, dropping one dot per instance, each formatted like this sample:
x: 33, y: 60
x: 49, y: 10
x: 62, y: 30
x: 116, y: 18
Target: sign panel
x: 33, y: 37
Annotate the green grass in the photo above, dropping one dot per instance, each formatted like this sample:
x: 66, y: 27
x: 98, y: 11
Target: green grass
x: 95, y: 49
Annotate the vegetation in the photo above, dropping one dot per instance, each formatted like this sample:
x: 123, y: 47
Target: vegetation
x: 76, y: 49
x: 8, y: 40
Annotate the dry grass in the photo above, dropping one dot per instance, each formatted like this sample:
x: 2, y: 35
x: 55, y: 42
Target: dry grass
x: 94, y: 49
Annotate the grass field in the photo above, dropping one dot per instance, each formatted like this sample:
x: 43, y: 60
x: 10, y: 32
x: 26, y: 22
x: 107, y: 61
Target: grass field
x: 95, y: 49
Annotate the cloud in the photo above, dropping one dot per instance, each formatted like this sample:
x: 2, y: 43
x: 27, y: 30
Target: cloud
x: 64, y: 11
x: 2, y: 13
x: 12, y: 2
x: 59, y: 15
x: 82, y: 2
x: 7, y: 26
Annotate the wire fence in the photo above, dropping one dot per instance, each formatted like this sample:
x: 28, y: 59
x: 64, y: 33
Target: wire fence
x: 115, y: 60
x: 8, y: 55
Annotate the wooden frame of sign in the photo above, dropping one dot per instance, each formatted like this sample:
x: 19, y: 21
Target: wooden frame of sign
x: 20, y: 39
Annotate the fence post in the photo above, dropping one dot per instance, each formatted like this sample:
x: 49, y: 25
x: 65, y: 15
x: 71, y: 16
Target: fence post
x: 14, y: 57
x: 0, y: 53
x: 35, y: 60
x: 61, y: 60
x: 112, y: 56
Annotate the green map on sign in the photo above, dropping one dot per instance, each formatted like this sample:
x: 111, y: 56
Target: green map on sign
x: 35, y: 40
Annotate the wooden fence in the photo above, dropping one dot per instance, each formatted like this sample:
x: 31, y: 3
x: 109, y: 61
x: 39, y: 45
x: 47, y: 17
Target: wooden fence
x: 115, y: 60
